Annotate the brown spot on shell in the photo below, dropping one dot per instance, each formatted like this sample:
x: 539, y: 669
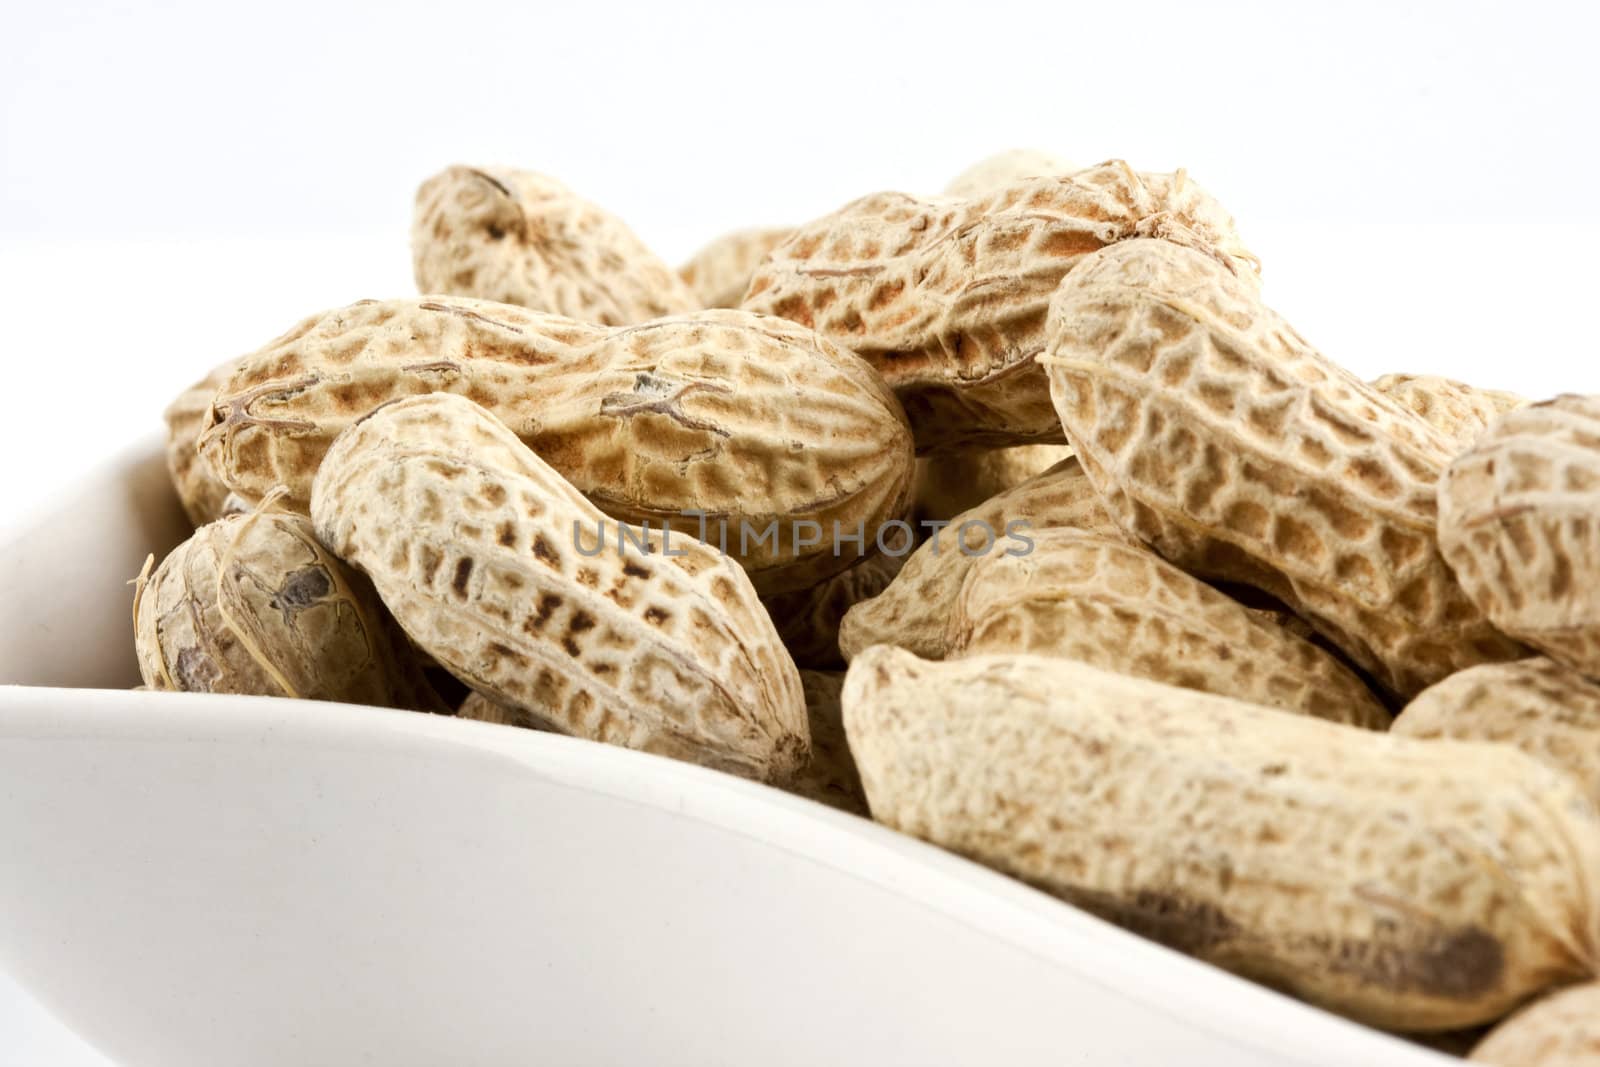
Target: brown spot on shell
x: 1171, y: 918
x: 301, y: 589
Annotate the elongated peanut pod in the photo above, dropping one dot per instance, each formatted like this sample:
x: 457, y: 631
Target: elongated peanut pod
x: 914, y: 611
x: 254, y: 604
x: 523, y: 238
x: 750, y: 428
x: 1103, y: 601
x: 1413, y: 885
x: 496, y: 566
x: 947, y: 297
x: 1519, y: 522
x: 1214, y: 433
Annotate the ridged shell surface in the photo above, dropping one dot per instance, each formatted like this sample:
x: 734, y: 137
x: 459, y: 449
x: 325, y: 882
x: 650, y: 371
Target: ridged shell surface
x: 519, y: 237
x: 482, y: 551
x: 750, y: 420
x: 1519, y: 521
x: 1412, y: 885
x: 947, y: 297
x: 1105, y: 602
x: 1215, y: 433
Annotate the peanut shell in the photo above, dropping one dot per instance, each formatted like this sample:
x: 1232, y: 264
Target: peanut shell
x: 830, y: 777
x: 253, y: 604
x: 1548, y: 711
x: 808, y: 619
x: 1004, y: 168
x: 752, y: 421
x: 947, y: 298
x: 1561, y: 1029
x: 1105, y: 602
x: 1459, y: 411
x: 719, y: 273
x: 522, y: 238
x: 480, y: 708
x: 1219, y: 436
x: 914, y: 611
x: 1519, y: 522
x: 482, y: 552
x: 952, y: 482
x: 1411, y: 885
x: 203, y: 495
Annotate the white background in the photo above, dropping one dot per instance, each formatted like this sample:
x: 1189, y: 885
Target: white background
x: 177, y: 187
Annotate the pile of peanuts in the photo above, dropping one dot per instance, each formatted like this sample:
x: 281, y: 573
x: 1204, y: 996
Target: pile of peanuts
x: 1144, y: 601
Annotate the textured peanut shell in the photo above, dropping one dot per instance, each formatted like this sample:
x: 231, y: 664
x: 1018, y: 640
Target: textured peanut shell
x: 1459, y: 411
x: 1105, y: 602
x: 914, y: 611
x: 518, y: 237
x: 473, y: 542
x: 1412, y: 885
x: 947, y: 298
x: 480, y: 708
x: 1519, y: 521
x: 808, y: 619
x: 1218, y: 435
x: 830, y: 777
x: 719, y: 273
x: 253, y: 604
x: 1561, y: 1029
x: 751, y: 420
x: 1004, y: 168
x: 202, y: 493
x: 952, y: 482
x: 1548, y: 711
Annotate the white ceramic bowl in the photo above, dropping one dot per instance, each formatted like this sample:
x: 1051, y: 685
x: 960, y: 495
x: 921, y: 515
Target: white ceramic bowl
x: 208, y: 880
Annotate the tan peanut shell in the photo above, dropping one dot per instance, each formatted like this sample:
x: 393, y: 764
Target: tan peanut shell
x: 253, y: 604
x: 481, y: 550
x: 1412, y: 885
x: 952, y: 482
x: 1561, y: 1029
x: 720, y: 272
x: 1549, y: 711
x: 1519, y: 521
x: 1105, y: 602
x: 830, y: 777
x: 947, y: 298
x: 753, y: 421
x: 1004, y: 168
x: 480, y: 708
x: 914, y: 611
x: 1218, y: 435
x: 202, y: 493
x: 517, y: 237
x: 1459, y: 411
x: 808, y: 619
